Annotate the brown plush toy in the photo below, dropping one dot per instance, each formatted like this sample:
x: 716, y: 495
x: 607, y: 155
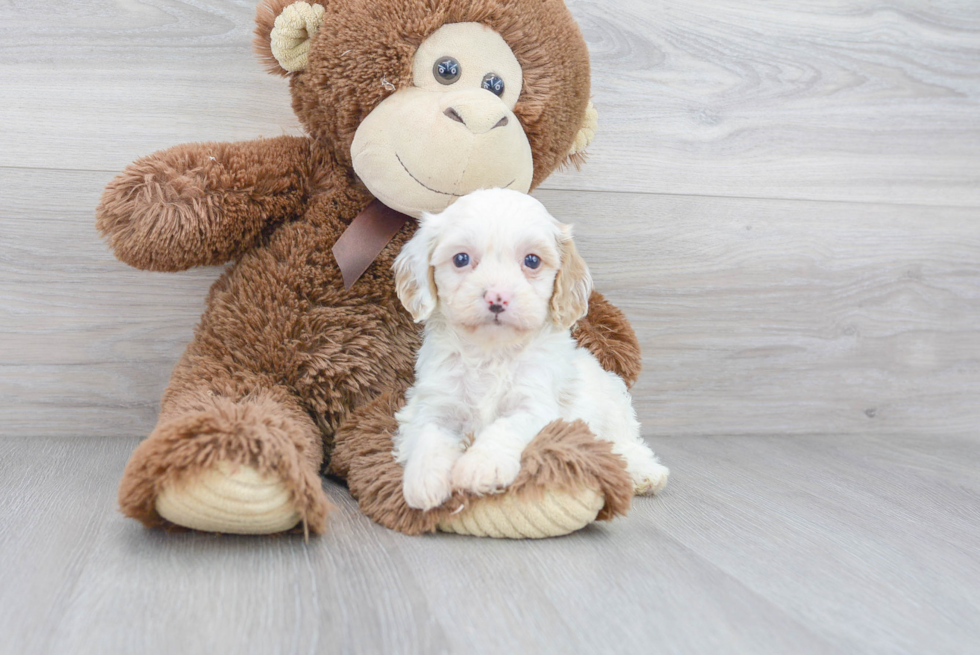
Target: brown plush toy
x: 295, y: 367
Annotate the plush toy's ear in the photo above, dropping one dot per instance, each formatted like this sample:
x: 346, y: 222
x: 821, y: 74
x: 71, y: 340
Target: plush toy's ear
x: 585, y: 134
x: 415, y: 281
x: 283, y: 33
x: 573, y: 284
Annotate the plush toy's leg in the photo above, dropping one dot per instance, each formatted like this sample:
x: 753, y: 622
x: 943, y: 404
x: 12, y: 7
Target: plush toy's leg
x: 568, y: 479
x: 224, y: 459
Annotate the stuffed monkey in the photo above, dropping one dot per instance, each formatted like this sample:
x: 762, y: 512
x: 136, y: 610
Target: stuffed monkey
x: 304, y: 352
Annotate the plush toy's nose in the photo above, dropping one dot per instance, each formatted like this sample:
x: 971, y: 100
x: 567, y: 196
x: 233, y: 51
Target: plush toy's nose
x: 480, y: 111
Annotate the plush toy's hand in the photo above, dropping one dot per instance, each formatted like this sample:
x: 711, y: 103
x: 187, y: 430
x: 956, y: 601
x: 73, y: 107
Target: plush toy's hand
x: 202, y: 203
x: 607, y: 333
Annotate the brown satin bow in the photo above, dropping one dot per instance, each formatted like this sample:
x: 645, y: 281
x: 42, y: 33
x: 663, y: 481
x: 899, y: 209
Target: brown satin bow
x: 365, y: 238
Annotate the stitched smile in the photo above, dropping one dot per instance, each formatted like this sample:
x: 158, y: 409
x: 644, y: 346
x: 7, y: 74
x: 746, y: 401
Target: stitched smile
x: 425, y: 186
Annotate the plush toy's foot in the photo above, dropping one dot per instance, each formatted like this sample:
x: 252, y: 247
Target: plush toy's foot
x: 554, y: 514
x: 568, y: 479
x: 228, y: 499
x: 245, y: 467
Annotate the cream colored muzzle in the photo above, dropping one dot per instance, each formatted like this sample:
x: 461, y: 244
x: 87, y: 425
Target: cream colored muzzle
x: 419, y: 149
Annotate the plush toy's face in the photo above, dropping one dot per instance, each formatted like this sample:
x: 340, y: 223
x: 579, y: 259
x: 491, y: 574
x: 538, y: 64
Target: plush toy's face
x: 453, y: 131
x: 427, y: 104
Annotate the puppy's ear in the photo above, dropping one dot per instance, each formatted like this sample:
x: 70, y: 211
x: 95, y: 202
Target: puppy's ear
x: 573, y: 284
x: 414, y: 278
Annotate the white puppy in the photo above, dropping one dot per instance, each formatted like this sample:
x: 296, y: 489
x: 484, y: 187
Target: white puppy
x: 499, y: 284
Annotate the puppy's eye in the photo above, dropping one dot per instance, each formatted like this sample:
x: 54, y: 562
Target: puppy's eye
x: 446, y: 70
x: 532, y: 261
x: 461, y: 260
x: 493, y: 84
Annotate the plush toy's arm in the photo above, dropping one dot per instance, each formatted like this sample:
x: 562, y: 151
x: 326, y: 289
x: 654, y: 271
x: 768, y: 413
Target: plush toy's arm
x: 607, y: 333
x: 202, y: 204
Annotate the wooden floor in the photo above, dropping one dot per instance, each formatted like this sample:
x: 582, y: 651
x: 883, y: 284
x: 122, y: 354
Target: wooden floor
x: 759, y: 545
x: 785, y: 200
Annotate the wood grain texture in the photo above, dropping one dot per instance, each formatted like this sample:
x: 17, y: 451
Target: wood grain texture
x: 756, y: 317
x: 791, y: 317
x: 759, y: 545
x: 856, y: 100
x: 86, y: 343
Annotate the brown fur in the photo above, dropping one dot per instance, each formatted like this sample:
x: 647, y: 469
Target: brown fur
x: 607, y: 333
x: 173, y: 210
x: 272, y: 434
x: 285, y: 364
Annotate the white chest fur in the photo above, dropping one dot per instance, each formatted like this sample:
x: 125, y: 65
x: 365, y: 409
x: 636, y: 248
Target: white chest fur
x: 467, y: 391
x: 490, y: 389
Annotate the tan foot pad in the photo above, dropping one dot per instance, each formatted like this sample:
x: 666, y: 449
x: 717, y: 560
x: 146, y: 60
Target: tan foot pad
x: 509, y: 517
x: 233, y: 500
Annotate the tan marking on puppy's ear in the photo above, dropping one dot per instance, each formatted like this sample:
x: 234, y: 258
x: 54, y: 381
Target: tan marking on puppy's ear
x: 415, y: 281
x: 573, y: 284
x: 284, y: 33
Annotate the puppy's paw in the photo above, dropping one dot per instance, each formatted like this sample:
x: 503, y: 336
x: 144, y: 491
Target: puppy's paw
x: 485, y: 471
x: 425, y: 487
x: 649, y: 479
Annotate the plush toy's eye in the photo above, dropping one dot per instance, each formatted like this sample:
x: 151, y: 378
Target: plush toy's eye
x: 532, y: 261
x: 446, y: 70
x: 493, y: 84
x: 461, y: 260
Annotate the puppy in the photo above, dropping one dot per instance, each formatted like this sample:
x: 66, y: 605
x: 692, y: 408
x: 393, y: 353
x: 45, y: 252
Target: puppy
x: 499, y: 284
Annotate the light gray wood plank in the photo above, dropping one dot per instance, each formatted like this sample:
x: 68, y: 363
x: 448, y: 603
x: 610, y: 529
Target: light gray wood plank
x: 779, y: 317
x: 860, y: 101
x: 625, y: 587
x: 86, y: 343
x: 855, y: 538
x: 101, y: 110
x: 759, y: 544
x: 767, y: 316
x: 857, y: 100
x: 56, y: 497
x: 79, y: 578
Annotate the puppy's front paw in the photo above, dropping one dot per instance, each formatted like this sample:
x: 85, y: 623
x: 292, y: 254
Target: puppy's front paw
x: 485, y: 471
x: 425, y: 488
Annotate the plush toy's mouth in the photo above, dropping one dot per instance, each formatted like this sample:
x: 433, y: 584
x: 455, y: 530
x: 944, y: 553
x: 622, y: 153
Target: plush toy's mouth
x: 425, y: 186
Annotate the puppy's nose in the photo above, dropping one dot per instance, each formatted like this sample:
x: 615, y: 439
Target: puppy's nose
x: 497, y: 301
